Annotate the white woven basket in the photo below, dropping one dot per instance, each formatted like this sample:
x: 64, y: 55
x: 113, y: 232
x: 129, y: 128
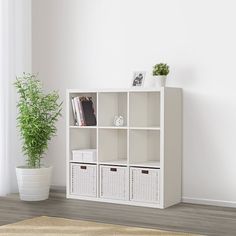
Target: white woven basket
x: 144, y: 185
x: 83, y: 179
x: 114, y: 183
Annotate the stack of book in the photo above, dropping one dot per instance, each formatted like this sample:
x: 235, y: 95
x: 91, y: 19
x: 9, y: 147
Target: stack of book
x: 83, y: 111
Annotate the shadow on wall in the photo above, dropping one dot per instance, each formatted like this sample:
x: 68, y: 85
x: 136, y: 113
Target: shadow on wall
x: 182, y: 76
x: 209, y: 145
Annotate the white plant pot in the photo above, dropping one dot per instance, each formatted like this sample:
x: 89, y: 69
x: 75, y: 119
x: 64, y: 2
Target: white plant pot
x: 33, y: 183
x: 160, y: 80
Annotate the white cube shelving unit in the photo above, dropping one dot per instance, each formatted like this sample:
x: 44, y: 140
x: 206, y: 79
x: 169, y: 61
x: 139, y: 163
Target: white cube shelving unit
x: 138, y: 163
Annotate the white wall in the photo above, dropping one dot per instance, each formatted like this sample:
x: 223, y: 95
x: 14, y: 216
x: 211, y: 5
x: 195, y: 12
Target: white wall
x: 98, y: 44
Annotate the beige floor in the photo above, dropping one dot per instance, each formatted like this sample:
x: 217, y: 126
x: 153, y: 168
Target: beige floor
x: 59, y: 226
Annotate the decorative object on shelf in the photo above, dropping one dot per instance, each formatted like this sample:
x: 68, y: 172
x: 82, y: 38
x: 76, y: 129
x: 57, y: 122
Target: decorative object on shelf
x: 138, y: 78
x: 160, y: 72
x: 144, y: 177
x: 83, y: 111
x: 84, y: 155
x: 83, y: 179
x: 118, y: 120
x: 38, y: 113
x: 113, y: 182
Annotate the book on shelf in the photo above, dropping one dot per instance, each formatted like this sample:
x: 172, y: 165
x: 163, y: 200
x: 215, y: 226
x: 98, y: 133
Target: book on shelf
x: 77, y: 118
x: 83, y: 111
x: 88, y: 111
x: 74, y: 111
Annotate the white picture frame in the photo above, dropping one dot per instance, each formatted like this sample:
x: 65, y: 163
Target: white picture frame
x: 138, y: 79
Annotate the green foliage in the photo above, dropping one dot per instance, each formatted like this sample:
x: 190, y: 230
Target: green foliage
x: 160, y: 69
x: 38, y: 113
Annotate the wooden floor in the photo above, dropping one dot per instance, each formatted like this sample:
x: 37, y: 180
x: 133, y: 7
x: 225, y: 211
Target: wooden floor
x: 206, y: 220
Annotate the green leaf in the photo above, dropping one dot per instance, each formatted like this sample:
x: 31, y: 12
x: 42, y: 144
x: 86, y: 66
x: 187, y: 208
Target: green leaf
x: 37, y: 116
x: 160, y: 69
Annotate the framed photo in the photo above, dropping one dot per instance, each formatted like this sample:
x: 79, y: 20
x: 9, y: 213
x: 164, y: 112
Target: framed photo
x: 138, y: 78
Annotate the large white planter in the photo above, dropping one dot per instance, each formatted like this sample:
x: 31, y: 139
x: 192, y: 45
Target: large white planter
x: 160, y: 80
x: 33, y: 183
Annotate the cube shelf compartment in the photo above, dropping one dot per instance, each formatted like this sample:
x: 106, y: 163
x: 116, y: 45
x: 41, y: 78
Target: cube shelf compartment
x: 112, y: 146
x: 83, y: 180
x: 113, y: 181
x: 138, y: 163
x: 82, y: 139
x: 111, y: 105
x: 144, y: 185
x: 83, y: 94
x: 144, y: 146
x: 144, y: 109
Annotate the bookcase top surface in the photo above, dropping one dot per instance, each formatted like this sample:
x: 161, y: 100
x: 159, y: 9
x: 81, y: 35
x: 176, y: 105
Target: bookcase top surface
x: 105, y: 90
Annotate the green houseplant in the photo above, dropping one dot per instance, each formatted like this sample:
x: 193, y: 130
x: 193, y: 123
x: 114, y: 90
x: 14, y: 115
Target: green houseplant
x: 160, y: 72
x: 38, y: 114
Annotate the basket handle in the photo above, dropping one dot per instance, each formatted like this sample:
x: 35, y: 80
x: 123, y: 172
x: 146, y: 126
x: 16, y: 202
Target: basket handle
x: 145, y: 172
x: 83, y: 167
x: 113, y: 169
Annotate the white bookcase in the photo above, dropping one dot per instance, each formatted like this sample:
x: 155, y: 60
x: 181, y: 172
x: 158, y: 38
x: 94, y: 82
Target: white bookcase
x: 138, y: 163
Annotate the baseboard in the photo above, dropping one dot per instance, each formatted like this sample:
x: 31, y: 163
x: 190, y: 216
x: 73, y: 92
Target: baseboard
x: 59, y: 189
x: 203, y: 201
x: 209, y: 202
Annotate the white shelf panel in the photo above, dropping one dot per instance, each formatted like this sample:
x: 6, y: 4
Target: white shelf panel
x: 114, y: 90
x: 82, y: 127
x: 112, y: 127
x: 121, y: 162
x: 101, y: 127
x: 82, y: 162
x: 152, y: 205
x: 151, y: 164
x: 145, y: 128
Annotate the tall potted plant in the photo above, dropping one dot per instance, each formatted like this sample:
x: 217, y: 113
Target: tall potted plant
x: 160, y: 72
x: 38, y: 113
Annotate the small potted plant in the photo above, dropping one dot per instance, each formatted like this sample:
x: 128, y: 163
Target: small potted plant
x: 38, y: 113
x: 160, y: 72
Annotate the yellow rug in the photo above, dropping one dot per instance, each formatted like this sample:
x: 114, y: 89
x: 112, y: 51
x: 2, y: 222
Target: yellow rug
x: 52, y: 226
